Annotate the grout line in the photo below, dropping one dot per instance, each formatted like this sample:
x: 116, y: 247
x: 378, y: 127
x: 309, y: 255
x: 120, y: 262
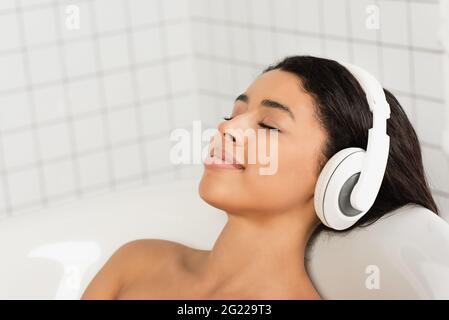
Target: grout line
x: 379, y: 46
x: 419, y: 96
x: 91, y: 151
x: 89, y: 114
x: 258, y: 65
x: 212, y: 66
x: 166, y: 65
x: 136, y: 92
x: 102, y: 96
x: 411, y: 57
x: 229, y: 96
x: 34, y: 7
x: 252, y: 46
x: 93, y: 75
x: 314, y: 35
x: 322, y: 34
x: 194, y: 63
x: 100, y: 188
x: 296, y: 8
x: 273, y: 29
x: 4, y: 180
x: 349, y: 31
x: 100, y: 34
x: 430, y: 145
x: 232, y: 51
x: 69, y: 119
x: 32, y: 104
x: 440, y: 193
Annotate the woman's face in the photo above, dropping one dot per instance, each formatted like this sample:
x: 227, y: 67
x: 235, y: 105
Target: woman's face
x: 274, y: 99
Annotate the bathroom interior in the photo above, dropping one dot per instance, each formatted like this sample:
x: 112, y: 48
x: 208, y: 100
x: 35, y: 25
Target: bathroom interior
x: 91, y: 90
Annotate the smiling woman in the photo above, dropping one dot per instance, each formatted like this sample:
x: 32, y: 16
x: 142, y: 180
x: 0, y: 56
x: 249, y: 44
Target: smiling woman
x: 316, y: 107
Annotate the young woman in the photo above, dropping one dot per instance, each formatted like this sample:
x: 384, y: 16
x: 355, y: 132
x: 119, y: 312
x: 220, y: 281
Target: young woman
x: 317, y: 108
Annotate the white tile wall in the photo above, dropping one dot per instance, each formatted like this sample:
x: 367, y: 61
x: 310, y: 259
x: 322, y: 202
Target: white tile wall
x: 79, y: 58
x: 24, y: 187
x: 437, y: 168
x: 9, y: 32
x: 13, y: 73
x: 51, y: 103
x: 40, y: 26
x: 396, y: 69
x: 427, y: 66
x: 84, y: 96
x: 430, y: 134
x: 110, y: 15
x: 426, y: 20
x: 93, y: 169
x: 59, y: 177
x: 147, y: 44
x: 95, y: 105
x: 89, y: 110
x: 234, y: 40
x: 15, y: 156
x: 19, y: 116
x: 118, y: 44
x: 89, y: 133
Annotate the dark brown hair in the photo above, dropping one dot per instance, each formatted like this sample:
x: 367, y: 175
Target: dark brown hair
x: 344, y: 113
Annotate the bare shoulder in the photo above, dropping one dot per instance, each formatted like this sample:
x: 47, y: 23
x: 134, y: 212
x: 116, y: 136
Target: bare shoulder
x: 151, y: 248
x: 146, y: 254
x: 128, y: 262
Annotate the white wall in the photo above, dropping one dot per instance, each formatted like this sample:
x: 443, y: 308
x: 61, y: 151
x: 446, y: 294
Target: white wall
x: 235, y: 39
x: 90, y: 110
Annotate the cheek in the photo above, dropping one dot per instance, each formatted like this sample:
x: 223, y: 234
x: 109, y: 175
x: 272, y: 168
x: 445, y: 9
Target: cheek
x: 298, y: 168
x: 292, y: 184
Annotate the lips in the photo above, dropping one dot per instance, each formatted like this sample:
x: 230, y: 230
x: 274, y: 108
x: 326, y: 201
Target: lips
x: 224, y: 160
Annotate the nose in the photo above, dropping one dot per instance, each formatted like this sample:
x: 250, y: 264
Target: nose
x: 230, y: 133
x: 229, y: 136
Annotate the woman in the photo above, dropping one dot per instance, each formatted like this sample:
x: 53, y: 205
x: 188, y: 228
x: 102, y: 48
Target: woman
x: 317, y: 108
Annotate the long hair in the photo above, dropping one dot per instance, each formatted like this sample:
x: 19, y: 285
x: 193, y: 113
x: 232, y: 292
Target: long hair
x: 343, y: 111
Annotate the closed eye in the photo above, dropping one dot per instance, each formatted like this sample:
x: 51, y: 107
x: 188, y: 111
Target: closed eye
x: 263, y: 125
x: 260, y: 123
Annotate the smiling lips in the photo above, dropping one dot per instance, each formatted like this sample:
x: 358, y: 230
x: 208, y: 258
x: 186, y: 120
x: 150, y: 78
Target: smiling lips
x: 222, y: 161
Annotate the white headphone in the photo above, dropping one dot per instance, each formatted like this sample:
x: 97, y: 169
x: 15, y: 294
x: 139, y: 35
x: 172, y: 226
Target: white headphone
x: 350, y: 181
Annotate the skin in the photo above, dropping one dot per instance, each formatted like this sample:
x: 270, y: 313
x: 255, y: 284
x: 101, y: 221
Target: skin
x: 260, y: 251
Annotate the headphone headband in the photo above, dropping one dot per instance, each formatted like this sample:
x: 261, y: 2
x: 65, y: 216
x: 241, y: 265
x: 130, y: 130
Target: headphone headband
x: 375, y: 162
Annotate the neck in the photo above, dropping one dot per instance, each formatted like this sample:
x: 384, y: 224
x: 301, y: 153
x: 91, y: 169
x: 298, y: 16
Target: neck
x: 260, y: 253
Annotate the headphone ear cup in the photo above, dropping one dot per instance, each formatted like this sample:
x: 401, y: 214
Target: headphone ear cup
x: 334, y: 186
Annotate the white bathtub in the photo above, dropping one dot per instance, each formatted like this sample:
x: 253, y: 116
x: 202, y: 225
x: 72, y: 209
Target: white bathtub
x: 54, y: 253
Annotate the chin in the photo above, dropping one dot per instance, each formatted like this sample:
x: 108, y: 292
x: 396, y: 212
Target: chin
x: 212, y: 191
x: 219, y: 191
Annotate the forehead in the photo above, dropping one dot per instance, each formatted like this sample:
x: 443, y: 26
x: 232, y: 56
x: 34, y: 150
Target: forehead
x: 281, y: 86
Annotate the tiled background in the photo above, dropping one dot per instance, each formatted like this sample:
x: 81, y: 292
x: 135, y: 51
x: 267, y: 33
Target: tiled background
x: 90, y: 110
x: 234, y: 40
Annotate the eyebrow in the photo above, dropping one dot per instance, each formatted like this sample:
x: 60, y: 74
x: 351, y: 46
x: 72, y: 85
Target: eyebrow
x: 268, y: 103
